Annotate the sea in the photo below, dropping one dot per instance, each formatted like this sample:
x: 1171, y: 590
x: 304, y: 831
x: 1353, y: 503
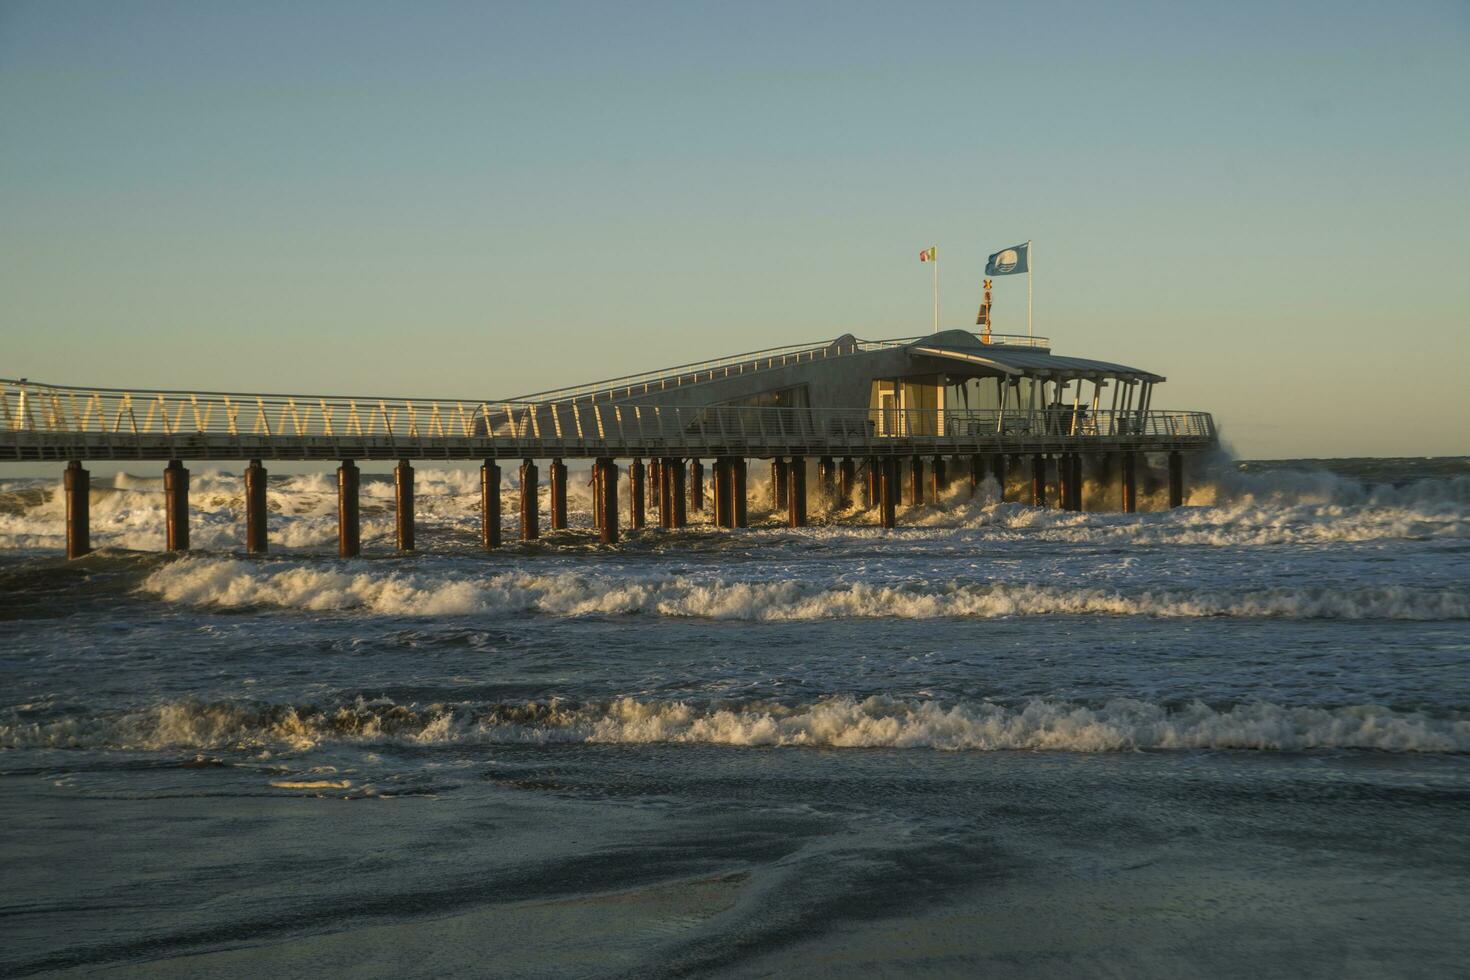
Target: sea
x: 1228, y: 740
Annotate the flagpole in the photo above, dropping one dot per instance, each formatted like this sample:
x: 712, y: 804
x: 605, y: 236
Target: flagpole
x: 936, y: 290
x: 1030, y: 264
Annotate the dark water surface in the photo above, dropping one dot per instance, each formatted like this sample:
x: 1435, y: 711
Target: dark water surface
x: 1232, y: 739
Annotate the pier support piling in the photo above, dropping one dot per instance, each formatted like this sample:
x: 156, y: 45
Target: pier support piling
x: 77, y: 485
x: 256, y: 540
x: 1129, y: 480
x: 998, y: 470
x: 888, y: 491
x: 674, y: 473
x: 796, y: 492
x: 349, y: 519
x: 778, y: 483
x: 872, y: 483
x: 607, y: 495
x: 696, y: 486
x: 741, y: 497
x: 846, y: 477
x: 637, y: 519
x: 916, y: 481
x: 403, y: 501
x: 530, y: 501
x: 1075, y: 480
x: 558, y: 477
x: 724, y: 480
x: 977, y: 473
x: 937, y: 481
x: 1176, y: 479
x: 176, y: 505
x: 827, y: 477
x: 1038, y: 480
x: 490, y: 505
x: 655, y: 482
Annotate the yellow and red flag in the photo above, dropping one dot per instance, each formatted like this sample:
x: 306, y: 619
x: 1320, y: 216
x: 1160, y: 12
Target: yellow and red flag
x: 929, y: 254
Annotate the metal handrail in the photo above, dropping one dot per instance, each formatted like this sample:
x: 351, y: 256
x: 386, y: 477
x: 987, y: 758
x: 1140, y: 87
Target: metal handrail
x: 60, y: 418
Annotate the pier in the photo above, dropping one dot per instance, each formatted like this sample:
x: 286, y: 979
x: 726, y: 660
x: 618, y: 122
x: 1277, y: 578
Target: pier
x: 880, y: 423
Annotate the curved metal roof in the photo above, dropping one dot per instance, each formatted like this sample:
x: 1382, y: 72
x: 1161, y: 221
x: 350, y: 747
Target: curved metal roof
x: 960, y: 345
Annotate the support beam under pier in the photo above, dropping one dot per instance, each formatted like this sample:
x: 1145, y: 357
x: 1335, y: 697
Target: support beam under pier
x: 256, y: 540
x: 796, y: 492
x: 1129, y: 480
x: 530, y: 501
x: 77, y: 485
x: 349, y: 519
x: 490, y: 505
x: 558, y: 477
x: 637, y: 518
x: 607, y: 490
x: 176, y: 505
x: 403, y: 503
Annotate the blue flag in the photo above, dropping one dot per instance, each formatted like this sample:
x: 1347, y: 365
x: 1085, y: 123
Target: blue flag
x: 1009, y: 261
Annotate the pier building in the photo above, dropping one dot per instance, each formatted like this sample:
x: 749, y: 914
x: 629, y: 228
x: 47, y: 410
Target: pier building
x: 877, y: 423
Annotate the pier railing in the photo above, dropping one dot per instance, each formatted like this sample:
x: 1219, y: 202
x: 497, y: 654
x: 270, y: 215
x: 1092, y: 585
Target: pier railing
x: 39, y: 421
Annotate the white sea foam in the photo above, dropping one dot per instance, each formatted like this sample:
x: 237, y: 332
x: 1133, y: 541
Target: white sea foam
x: 835, y: 722
x: 235, y: 583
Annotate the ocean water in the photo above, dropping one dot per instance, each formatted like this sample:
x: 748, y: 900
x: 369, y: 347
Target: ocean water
x: 1227, y: 740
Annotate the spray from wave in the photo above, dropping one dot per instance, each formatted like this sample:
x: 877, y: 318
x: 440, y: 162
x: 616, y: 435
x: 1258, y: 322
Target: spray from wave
x: 835, y: 722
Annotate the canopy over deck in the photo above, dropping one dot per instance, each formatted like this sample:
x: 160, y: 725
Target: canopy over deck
x: 1032, y: 362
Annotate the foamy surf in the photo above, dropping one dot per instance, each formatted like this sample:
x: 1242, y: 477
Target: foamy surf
x: 837, y: 722
x: 232, y: 583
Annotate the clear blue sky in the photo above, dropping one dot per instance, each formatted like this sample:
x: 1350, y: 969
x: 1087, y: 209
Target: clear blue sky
x: 1269, y: 203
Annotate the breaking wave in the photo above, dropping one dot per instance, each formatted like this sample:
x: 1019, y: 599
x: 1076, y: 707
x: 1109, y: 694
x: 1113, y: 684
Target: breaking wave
x: 233, y: 583
x: 836, y: 722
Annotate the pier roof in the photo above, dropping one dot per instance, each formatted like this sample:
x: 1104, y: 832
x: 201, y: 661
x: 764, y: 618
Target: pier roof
x: 967, y: 348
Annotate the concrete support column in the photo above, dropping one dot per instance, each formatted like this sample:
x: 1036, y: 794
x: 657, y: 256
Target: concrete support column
x: 1038, y: 480
x: 998, y: 470
x: 741, y: 498
x: 916, y: 481
x: 256, y: 542
x: 796, y: 492
x: 607, y: 498
x: 937, y: 481
x: 678, y: 495
x: 530, y: 501
x: 176, y: 505
x: 655, y: 484
x: 846, y: 477
x: 596, y: 484
x: 490, y: 505
x: 1176, y: 479
x: 1064, y: 482
x: 1129, y: 468
x: 349, y: 522
x: 1076, y: 481
x: 778, y: 483
x: 888, y: 491
x: 696, y: 486
x: 76, y: 483
x: 827, y: 477
x: 403, y: 499
x: 637, y: 518
x: 558, y: 495
x: 724, y: 499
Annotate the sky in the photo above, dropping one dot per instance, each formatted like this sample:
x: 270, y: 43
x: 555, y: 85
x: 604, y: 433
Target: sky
x: 1267, y: 203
